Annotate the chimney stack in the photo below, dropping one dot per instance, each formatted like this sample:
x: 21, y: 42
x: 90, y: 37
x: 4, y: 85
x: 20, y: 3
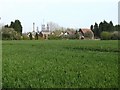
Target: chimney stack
x: 33, y: 27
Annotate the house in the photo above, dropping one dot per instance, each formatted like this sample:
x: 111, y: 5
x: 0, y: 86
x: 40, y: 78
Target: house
x: 69, y: 32
x: 72, y: 32
x: 33, y: 34
x: 86, y: 33
x: 45, y: 31
x: 62, y: 33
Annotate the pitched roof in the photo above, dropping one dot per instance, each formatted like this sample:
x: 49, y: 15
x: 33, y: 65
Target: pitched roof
x: 71, y: 32
x: 85, y: 30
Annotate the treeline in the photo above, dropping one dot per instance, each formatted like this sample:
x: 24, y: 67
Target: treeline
x: 16, y: 25
x: 12, y: 31
x: 106, y: 30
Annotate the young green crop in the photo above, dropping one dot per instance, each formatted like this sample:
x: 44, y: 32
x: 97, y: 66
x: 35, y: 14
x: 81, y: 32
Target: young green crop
x: 60, y: 64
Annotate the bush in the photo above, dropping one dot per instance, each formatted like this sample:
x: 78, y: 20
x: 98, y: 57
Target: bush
x: 105, y: 35
x: 115, y: 35
x: 54, y: 37
x: 40, y: 38
x: 110, y: 35
x: 25, y: 37
x: 89, y: 35
x: 17, y: 36
x: 72, y: 36
x: 10, y: 34
x: 36, y: 36
x: 30, y: 36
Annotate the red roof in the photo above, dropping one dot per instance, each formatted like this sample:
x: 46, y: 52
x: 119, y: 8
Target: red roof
x: 85, y: 30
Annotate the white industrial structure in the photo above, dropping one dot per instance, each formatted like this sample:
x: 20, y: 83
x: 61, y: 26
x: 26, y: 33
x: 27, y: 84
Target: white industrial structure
x: 33, y: 32
x: 45, y: 30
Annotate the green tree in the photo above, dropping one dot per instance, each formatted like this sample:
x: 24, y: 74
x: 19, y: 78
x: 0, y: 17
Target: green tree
x: 36, y: 36
x: 6, y: 26
x: 105, y: 26
x: 30, y: 36
x: 18, y: 26
x: 96, y: 31
x: 101, y: 27
x: 110, y: 26
x: 91, y: 27
x: 12, y: 25
x: 117, y: 28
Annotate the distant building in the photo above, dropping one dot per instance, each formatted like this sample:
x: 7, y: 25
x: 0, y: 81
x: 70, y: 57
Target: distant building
x: 45, y: 30
x: 86, y: 34
x: 33, y: 32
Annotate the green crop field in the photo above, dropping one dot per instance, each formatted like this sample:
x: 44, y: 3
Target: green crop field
x: 60, y: 64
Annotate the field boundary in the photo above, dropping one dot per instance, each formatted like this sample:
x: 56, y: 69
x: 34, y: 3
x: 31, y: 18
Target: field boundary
x: 94, y: 49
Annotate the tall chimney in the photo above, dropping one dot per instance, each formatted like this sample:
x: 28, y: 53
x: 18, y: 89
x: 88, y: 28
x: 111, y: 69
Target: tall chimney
x: 33, y: 27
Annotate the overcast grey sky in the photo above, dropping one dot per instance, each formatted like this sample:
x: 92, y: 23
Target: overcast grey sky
x: 67, y: 13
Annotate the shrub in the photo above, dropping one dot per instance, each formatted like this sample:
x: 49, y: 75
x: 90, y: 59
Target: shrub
x: 17, y: 36
x: 36, y: 36
x: 72, y: 36
x: 40, y: 38
x: 25, y: 37
x: 105, y: 35
x: 54, y: 37
x: 115, y: 35
x: 10, y: 34
x: 30, y: 36
x: 88, y: 35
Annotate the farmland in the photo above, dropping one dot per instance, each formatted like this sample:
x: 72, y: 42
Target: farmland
x: 60, y: 64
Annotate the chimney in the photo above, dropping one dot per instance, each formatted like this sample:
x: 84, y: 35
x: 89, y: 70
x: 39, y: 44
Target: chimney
x: 33, y: 27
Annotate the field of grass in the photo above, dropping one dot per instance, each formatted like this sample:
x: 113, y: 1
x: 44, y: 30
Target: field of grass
x: 60, y: 64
